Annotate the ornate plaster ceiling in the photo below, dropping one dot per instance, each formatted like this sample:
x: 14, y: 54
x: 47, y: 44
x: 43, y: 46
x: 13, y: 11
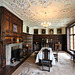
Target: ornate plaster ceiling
x: 59, y: 12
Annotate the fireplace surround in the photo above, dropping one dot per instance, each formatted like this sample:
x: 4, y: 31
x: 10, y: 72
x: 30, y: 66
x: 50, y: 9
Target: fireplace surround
x: 9, y: 50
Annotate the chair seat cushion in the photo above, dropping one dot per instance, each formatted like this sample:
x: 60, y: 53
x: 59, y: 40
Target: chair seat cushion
x: 46, y: 61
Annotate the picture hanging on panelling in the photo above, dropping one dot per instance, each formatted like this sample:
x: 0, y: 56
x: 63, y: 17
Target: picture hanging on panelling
x: 14, y: 28
x: 51, y: 31
x: 35, y: 31
x: 59, y: 31
x: 27, y: 29
x: 43, y: 31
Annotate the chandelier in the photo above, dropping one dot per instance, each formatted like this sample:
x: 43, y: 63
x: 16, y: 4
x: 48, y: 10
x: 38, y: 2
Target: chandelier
x: 45, y: 23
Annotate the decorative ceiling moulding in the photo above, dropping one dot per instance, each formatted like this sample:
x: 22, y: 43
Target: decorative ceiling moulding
x: 32, y: 11
x: 44, y: 3
x: 24, y: 4
x: 1, y: 2
x: 67, y: 2
x: 7, y: 6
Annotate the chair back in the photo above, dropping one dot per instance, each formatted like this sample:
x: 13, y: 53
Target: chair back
x: 57, y: 49
x: 46, y: 53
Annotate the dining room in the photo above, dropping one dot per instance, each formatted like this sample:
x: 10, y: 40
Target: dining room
x: 37, y: 37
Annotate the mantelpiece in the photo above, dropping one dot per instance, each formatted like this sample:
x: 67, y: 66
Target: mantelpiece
x: 8, y: 51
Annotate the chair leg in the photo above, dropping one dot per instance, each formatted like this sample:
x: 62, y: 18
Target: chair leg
x: 57, y: 58
x: 49, y: 68
x: 42, y: 66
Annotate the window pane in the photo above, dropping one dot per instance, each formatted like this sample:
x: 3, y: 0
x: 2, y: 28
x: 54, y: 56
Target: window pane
x: 71, y: 30
x: 74, y: 29
x: 74, y: 42
x: 71, y: 42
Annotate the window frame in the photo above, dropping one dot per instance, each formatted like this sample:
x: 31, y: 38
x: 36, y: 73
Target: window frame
x: 71, y: 34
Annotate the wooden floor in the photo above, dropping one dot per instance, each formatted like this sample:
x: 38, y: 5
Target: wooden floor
x: 5, y: 70
x: 8, y: 70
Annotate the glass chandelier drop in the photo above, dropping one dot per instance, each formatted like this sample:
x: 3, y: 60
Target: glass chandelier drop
x: 45, y: 23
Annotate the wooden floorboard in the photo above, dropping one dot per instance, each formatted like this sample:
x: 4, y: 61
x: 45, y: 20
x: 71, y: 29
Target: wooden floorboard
x: 5, y: 70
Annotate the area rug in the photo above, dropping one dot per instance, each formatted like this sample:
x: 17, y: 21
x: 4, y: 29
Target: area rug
x: 64, y: 66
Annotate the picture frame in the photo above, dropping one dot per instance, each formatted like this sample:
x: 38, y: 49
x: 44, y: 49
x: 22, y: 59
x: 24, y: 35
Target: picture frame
x: 14, y: 28
x: 43, y: 31
x: 59, y: 31
x: 27, y: 29
x: 51, y: 31
x: 35, y: 31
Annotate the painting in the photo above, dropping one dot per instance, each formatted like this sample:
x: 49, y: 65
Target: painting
x: 35, y: 31
x: 43, y: 31
x: 27, y: 29
x: 51, y: 31
x: 14, y: 28
x: 59, y: 31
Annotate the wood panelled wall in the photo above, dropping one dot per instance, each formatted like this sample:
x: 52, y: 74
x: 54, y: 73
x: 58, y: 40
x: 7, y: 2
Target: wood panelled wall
x: 8, y: 20
x: 57, y: 38
x: 7, y: 33
x: 28, y: 39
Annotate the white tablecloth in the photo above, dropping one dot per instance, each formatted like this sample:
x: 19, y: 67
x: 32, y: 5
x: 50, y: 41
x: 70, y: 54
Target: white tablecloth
x: 39, y: 55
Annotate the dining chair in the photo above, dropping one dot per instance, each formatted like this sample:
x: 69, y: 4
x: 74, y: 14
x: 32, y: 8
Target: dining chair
x: 36, y: 52
x: 46, y: 59
x: 56, y: 53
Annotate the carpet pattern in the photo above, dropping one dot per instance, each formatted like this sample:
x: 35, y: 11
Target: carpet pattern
x: 64, y: 66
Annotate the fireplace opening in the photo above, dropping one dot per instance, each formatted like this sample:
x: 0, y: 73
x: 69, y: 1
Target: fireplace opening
x: 15, y: 54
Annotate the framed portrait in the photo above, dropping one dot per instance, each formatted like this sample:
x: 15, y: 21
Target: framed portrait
x: 43, y: 31
x: 14, y: 28
x: 59, y: 31
x: 35, y: 31
x: 51, y: 31
x: 27, y: 29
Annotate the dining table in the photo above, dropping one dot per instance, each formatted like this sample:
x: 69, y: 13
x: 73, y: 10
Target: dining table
x: 40, y: 54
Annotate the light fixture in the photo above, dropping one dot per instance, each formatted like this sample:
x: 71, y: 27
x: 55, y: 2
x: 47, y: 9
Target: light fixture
x: 45, y: 23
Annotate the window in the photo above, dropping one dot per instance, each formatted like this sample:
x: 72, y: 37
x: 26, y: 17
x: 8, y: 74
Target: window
x: 71, y: 42
x: 74, y: 42
x: 72, y: 38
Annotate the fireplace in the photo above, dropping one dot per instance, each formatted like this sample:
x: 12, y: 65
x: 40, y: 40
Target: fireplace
x: 12, y: 51
x: 15, y: 54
